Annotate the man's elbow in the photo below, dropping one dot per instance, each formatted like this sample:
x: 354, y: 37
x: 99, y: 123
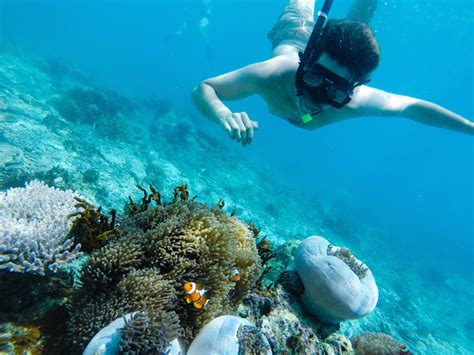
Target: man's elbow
x: 197, y: 93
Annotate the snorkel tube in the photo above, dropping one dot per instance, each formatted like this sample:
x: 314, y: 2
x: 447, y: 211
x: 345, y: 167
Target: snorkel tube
x: 313, y: 49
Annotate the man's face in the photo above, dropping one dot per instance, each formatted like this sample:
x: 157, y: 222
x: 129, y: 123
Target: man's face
x: 308, y: 105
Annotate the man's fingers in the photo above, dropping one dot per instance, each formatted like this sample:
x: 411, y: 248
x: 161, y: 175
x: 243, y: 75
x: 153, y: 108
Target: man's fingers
x: 249, y: 129
x: 228, y: 128
x: 242, y: 128
x: 235, y: 129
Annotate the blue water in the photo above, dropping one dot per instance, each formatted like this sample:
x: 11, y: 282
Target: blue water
x: 412, y: 181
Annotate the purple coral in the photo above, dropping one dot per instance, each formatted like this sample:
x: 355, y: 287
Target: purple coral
x: 33, y: 228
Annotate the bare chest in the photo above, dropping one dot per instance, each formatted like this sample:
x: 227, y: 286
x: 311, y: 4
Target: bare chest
x: 286, y: 106
x: 280, y: 103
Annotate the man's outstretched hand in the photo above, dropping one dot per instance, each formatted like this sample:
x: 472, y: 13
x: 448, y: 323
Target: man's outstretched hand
x: 240, y: 128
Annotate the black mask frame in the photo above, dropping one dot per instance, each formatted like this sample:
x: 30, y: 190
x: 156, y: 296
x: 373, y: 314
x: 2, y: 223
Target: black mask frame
x: 333, y: 88
x: 331, y: 83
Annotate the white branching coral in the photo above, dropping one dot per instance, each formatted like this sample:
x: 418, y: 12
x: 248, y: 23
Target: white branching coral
x: 33, y: 228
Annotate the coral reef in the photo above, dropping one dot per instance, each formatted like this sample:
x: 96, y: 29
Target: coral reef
x: 90, y: 176
x: 377, y: 344
x: 281, y: 318
x: 33, y: 311
x: 335, y: 344
x: 88, y: 105
x: 34, y: 227
x: 291, y: 282
x: 332, y: 291
x: 18, y: 339
x: 104, y: 109
x: 283, y: 256
x: 144, y: 269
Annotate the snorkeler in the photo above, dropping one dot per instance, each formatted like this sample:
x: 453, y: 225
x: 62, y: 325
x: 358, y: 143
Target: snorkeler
x: 316, y: 77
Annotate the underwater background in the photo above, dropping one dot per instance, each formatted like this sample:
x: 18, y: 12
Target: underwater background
x: 397, y: 193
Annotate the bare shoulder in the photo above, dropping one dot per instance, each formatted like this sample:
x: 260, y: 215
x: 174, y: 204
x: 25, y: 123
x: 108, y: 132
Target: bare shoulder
x: 277, y: 67
x: 278, y: 74
x: 256, y: 78
x: 372, y: 101
x: 363, y: 95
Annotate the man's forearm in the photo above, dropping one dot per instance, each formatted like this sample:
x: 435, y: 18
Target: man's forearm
x: 434, y: 115
x: 207, y: 101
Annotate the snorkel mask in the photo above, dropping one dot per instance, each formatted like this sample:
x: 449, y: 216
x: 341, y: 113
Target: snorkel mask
x: 314, y: 80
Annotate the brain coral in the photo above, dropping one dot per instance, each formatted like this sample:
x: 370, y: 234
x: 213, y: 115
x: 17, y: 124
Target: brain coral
x: 144, y: 269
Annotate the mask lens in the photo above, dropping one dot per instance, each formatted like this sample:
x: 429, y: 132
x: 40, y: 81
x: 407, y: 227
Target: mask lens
x: 328, y: 87
x: 312, y: 79
x: 338, y: 95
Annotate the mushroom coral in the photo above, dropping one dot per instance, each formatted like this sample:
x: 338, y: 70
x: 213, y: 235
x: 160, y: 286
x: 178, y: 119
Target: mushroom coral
x: 337, y: 286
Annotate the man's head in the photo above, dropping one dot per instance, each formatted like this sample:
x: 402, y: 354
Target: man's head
x: 343, y: 59
x: 352, y: 45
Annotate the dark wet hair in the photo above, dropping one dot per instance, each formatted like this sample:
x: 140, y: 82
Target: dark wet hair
x: 351, y: 44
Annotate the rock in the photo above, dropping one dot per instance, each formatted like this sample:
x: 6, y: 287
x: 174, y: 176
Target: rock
x: 283, y: 323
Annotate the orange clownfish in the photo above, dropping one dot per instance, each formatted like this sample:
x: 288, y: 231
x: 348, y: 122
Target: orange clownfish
x: 404, y: 350
x: 196, y: 294
x: 235, y: 275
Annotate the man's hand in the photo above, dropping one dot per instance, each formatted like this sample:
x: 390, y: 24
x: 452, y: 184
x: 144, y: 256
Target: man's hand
x: 240, y: 128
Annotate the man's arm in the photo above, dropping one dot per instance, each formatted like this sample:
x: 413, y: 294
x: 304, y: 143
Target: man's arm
x: 369, y: 101
x: 208, y: 96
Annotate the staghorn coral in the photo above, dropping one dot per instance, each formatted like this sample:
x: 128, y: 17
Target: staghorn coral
x: 143, y: 270
x: 377, y: 344
x: 34, y: 227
